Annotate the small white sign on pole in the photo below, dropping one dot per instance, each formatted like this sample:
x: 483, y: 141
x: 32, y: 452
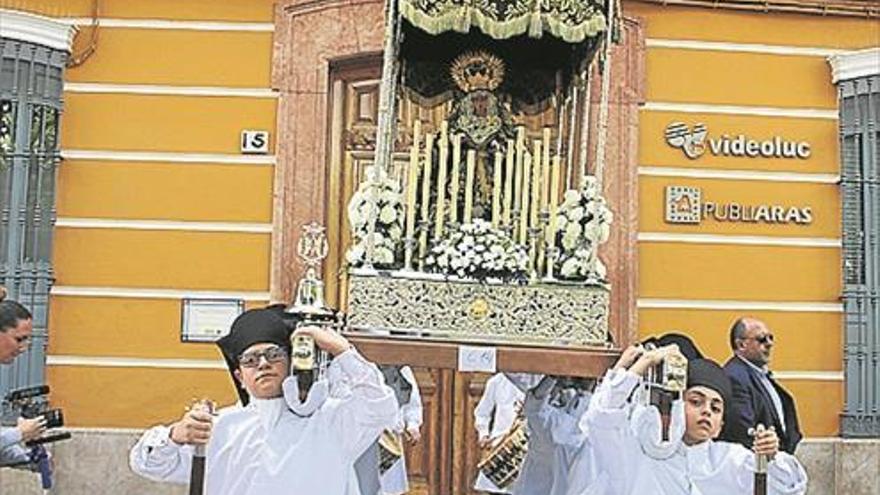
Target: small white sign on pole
x: 477, y: 358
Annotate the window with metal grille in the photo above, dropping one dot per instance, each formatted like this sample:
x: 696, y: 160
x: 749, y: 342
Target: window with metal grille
x: 31, y: 78
x: 860, y: 188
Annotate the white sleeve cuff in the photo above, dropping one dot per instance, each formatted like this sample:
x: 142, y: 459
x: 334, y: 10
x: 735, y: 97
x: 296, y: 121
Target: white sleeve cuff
x: 353, y: 365
x: 159, y: 438
x: 619, y: 387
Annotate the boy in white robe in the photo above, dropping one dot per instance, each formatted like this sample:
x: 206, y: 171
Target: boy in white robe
x: 635, y: 460
x: 493, y: 417
x: 555, y: 436
x: 394, y: 480
x: 409, y: 421
x: 274, y: 444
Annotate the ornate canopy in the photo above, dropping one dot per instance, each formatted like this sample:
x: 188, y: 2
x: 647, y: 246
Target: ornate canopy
x: 570, y: 20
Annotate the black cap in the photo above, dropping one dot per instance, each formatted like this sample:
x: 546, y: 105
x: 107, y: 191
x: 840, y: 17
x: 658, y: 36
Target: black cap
x: 707, y: 373
x: 256, y: 326
x: 684, y: 343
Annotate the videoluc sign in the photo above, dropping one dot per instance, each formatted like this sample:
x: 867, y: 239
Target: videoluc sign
x: 693, y: 143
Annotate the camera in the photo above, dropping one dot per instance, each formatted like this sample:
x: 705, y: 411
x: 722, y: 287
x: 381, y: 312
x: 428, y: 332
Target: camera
x: 29, y: 403
x: 32, y: 402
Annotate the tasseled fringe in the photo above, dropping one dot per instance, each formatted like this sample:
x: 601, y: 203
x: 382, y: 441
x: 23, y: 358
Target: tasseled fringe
x: 536, y: 25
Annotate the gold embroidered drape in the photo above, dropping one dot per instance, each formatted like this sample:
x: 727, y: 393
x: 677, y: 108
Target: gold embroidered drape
x: 570, y: 20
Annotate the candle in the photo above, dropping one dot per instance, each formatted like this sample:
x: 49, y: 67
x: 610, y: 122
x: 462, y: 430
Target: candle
x: 456, y: 164
x: 517, y: 195
x: 469, y: 186
x: 536, y: 185
x: 524, y: 200
x: 426, y: 194
x: 440, y: 214
x: 508, y: 183
x: 411, y: 187
x: 554, y: 198
x: 496, y: 190
x: 545, y: 180
x: 545, y: 169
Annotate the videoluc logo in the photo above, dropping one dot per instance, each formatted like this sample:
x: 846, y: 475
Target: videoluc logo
x: 693, y: 143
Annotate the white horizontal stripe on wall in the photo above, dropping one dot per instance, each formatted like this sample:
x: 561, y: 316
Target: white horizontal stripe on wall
x: 742, y: 47
x: 748, y: 240
x: 150, y: 293
x: 151, y: 89
x: 169, y: 157
x: 127, y: 362
x: 267, y: 27
x: 802, y: 113
x: 730, y: 305
x: 104, y: 223
x: 760, y: 175
x: 819, y: 376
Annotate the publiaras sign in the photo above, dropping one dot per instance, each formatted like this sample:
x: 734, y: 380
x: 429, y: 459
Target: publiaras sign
x: 686, y: 205
x: 695, y: 141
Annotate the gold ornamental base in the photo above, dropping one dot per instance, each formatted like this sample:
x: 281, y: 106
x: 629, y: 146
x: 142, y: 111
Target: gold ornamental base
x: 418, y: 305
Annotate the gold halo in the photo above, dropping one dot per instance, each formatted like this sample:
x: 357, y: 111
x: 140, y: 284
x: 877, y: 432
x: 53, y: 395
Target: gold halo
x: 477, y: 70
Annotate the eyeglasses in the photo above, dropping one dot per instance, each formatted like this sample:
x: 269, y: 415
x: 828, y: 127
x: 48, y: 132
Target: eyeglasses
x: 763, y: 339
x: 272, y: 354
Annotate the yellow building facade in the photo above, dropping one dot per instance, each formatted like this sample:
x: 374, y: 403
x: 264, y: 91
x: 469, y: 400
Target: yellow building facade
x: 156, y: 203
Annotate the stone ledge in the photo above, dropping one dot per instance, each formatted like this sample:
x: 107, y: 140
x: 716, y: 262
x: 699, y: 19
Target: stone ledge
x: 92, y: 462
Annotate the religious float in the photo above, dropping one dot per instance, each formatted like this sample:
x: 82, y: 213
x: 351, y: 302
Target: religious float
x: 489, y: 228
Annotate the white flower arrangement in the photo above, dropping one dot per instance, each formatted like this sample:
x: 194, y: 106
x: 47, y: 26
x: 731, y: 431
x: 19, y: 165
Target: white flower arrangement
x: 479, y: 251
x: 582, y: 223
x: 389, y: 212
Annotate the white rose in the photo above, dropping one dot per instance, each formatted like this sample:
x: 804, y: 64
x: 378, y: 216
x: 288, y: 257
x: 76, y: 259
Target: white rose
x: 569, y: 267
x: 570, y: 197
x: 443, y: 261
x: 576, y: 213
x: 573, y: 229
x: 355, y: 254
x: 383, y: 256
x: 569, y: 241
x: 387, y: 215
x: 561, y: 222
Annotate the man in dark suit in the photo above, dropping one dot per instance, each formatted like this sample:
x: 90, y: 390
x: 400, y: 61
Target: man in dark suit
x: 757, y: 398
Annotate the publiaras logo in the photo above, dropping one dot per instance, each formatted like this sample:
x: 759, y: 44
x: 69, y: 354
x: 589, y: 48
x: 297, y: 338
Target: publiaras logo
x: 694, y: 142
x: 689, y: 205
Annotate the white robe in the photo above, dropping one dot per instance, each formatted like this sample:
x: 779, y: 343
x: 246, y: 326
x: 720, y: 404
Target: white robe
x: 555, y: 438
x: 394, y: 481
x: 266, y: 449
x: 501, y: 395
x: 633, y: 460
